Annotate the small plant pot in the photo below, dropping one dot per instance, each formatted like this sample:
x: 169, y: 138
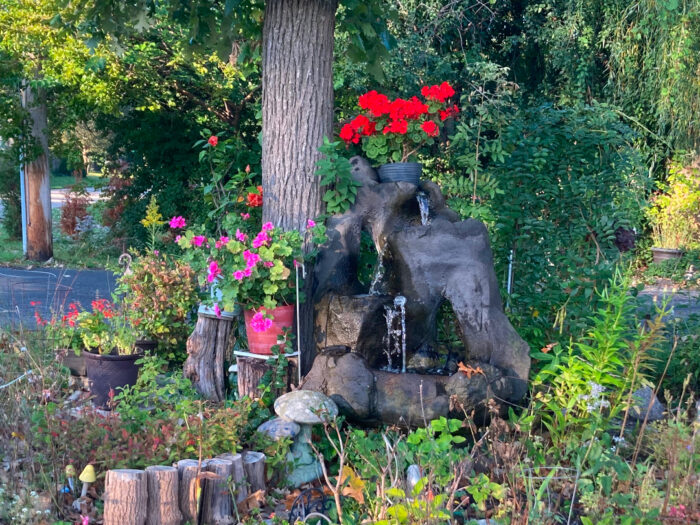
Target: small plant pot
x: 401, y: 172
x: 262, y: 342
x: 74, y: 363
x: 665, y: 254
x: 110, y: 372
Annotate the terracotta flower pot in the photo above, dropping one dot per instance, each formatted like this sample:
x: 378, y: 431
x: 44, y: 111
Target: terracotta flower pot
x: 262, y: 342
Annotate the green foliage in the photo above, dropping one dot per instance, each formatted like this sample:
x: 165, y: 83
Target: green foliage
x: 675, y: 215
x: 334, y: 172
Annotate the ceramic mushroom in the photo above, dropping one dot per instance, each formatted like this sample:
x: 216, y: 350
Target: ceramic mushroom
x: 70, y: 475
x: 306, y: 408
x: 87, y: 477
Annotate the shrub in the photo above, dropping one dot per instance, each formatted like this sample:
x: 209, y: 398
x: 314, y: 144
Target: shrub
x: 75, y: 210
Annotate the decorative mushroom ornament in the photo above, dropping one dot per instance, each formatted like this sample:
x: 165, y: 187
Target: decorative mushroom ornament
x: 87, y: 477
x: 306, y: 408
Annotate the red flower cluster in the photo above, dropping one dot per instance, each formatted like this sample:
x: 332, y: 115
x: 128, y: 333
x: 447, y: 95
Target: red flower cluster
x: 213, y: 141
x: 104, y: 307
x: 449, y: 112
x: 394, y: 116
x: 438, y: 93
x: 72, y: 314
x: 256, y: 199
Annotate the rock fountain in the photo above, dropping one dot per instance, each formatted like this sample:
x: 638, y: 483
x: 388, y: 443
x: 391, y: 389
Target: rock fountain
x: 372, y: 343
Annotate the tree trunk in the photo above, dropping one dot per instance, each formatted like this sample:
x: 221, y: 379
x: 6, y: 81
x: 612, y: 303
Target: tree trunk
x: 37, y: 179
x: 125, y: 497
x: 297, y: 113
x: 217, y: 506
x: 163, y: 496
x: 206, y: 349
x: 251, y: 370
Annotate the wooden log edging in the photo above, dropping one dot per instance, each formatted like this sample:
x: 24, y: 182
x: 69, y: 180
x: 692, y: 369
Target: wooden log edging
x: 170, y: 495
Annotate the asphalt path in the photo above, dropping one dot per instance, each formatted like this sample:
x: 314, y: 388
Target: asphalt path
x: 46, y: 290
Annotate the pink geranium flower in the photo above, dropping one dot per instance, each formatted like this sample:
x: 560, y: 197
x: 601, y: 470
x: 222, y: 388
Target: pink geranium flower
x: 177, y: 238
x: 214, y: 271
x: 245, y: 216
x: 260, y: 239
x: 259, y: 323
x: 248, y: 272
x: 217, y: 310
x: 268, y: 264
x: 241, y: 236
x: 267, y: 227
x: 238, y: 275
x: 223, y: 241
x: 178, y: 222
x: 310, y: 223
x: 198, y: 240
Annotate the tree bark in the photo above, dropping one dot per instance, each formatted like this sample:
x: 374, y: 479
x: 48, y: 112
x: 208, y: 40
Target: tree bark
x: 297, y: 113
x: 37, y: 178
x: 163, y: 496
x: 217, y: 506
x: 125, y: 497
x: 207, y: 347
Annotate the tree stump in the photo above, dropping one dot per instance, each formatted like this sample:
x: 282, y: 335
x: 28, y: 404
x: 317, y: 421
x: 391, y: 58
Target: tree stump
x: 217, y: 504
x: 125, y: 497
x: 254, y: 465
x: 163, y: 496
x: 239, y: 478
x: 207, y: 347
x: 252, y: 369
x: 187, y: 473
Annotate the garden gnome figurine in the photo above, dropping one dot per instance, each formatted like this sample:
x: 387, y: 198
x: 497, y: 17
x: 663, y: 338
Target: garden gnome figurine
x: 306, y: 408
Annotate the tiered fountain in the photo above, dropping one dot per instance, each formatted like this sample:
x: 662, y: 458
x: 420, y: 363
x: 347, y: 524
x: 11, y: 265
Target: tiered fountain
x: 377, y: 347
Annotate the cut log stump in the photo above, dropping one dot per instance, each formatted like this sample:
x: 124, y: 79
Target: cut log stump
x: 240, y: 482
x: 125, y: 497
x: 163, y: 496
x: 207, y: 347
x: 217, y: 503
x: 187, y: 473
x: 254, y: 465
x: 252, y: 369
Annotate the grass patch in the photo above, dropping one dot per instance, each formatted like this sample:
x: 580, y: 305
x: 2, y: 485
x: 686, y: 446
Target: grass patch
x: 59, y: 182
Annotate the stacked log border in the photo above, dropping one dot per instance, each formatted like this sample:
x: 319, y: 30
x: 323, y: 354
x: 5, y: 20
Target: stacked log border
x: 190, y: 491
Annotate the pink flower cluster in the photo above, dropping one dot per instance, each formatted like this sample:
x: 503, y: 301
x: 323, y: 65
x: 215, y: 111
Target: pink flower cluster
x: 198, y: 240
x: 260, y: 323
x: 223, y: 241
x: 214, y: 271
x: 260, y: 239
x: 178, y: 222
x: 251, y: 259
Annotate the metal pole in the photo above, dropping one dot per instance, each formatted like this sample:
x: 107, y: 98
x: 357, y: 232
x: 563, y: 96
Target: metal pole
x: 23, y: 204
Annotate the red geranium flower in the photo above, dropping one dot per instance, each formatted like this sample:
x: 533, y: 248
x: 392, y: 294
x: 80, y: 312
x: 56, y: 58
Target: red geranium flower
x: 396, y: 126
x: 430, y: 128
x: 213, y: 141
x: 255, y: 200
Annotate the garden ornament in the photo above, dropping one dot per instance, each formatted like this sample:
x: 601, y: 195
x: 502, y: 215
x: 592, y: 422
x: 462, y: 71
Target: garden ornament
x: 305, y: 408
x: 87, y: 477
x: 70, y: 474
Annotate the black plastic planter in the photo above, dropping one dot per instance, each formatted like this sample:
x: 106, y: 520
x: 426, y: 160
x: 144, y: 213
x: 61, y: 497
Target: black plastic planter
x: 108, y: 373
x: 401, y: 172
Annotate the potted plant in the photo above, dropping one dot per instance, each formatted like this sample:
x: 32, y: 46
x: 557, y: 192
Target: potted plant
x: 110, y: 354
x: 675, y: 215
x: 62, y: 333
x: 392, y: 132
x: 253, y: 269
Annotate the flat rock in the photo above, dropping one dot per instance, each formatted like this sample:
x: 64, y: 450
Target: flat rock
x: 642, y: 398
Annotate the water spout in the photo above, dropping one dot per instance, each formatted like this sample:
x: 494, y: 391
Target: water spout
x: 395, y: 340
x: 424, y: 206
x: 378, y: 273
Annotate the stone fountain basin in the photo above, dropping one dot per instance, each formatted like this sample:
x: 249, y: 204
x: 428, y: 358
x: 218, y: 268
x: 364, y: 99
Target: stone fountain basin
x: 371, y: 396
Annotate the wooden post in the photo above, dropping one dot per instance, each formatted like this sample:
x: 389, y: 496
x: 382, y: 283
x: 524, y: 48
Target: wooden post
x: 187, y: 472
x: 252, y: 369
x: 207, y: 347
x: 163, y: 496
x: 254, y: 465
x: 239, y: 477
x: 217, y: 504
x: 125, y: 497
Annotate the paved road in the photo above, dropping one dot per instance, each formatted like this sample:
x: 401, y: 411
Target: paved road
x: 51, y: 288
